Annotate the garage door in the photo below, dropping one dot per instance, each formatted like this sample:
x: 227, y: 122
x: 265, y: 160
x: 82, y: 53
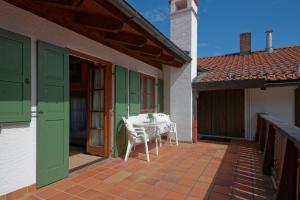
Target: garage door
x: 221, y: 113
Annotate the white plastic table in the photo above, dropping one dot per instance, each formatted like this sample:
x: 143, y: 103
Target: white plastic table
x: 152, y: 128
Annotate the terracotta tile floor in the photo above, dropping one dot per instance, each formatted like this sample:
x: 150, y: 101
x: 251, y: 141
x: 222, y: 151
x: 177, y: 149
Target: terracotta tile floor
x: 206, y: 170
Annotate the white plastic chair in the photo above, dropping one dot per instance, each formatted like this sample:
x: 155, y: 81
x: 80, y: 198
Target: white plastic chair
x: 135, y: 136
x: 173, y: 132
x: 171, y: 127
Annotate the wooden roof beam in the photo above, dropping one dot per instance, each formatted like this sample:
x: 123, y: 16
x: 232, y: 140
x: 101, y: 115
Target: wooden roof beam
x: 146, y: 49
x: 127, y: 38
x: 170, y: 63
x: 102, y: 22
x: 162, y: 57
x: 63, y: 2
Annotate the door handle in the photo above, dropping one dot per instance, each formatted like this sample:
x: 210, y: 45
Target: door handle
x: 40, y: 112
x: 27, y: 81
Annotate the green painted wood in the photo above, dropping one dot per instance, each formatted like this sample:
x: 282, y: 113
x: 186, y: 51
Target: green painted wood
x: 15, y: 75
x: 121, y: 109
x: 53, y: 114
x: 160, y: 96
x: 135, y: 93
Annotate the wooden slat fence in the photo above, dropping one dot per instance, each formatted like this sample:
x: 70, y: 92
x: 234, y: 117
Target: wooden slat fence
x: 280, y: 143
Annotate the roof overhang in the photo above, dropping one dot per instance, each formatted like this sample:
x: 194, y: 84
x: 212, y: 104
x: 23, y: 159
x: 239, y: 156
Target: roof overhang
x: 229, y: 85
x: 113, y: 23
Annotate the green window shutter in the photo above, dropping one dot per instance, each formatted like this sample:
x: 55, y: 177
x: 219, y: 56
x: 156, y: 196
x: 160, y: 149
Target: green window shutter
x: 121, y: 109
x: 15, y: 87
x: 160, y: 96
x: 135, y: 93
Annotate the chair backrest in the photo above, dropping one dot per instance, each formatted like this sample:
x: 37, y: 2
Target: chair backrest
x: 129, y: 126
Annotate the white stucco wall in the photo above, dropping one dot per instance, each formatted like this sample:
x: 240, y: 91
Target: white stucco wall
x: 18, y: 141
x: 276, y: 101
x: 184, y: 34
x: 17, y: 156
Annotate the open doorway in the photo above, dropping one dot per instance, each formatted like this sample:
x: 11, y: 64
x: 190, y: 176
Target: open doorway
x: 87, y: 111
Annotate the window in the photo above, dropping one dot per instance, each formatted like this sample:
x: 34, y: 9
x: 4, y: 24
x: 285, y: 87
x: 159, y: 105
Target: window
x: 147, y: 94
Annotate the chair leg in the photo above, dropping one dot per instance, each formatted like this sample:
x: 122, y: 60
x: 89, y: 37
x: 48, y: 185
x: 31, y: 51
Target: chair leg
x: 129, y: 146
x: 147, y: 151
x: 160, y: 143
x: 176, y: 137
x: 169, y: 136
x: 156, y: 146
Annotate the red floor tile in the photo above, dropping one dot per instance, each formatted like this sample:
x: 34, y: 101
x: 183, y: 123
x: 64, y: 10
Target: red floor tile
x: 191, y: 171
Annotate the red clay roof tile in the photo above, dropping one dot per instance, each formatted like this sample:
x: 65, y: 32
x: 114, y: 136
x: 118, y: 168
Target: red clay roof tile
x: 279, y: 65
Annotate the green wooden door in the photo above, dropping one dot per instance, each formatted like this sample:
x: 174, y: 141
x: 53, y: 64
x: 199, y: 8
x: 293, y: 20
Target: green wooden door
x: 121, y: 109
x: 135, y: 93
x: 15, y: 98
x: 160, y: 96
x: 53, y: 114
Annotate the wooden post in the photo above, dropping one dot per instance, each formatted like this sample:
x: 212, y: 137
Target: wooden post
x: 298, y: 178
x: 287, y: 188
x: 268, y: 159
x: 258, y: 126
x: 262, y: 135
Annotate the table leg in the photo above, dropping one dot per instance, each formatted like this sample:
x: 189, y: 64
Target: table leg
x: 156, y: 146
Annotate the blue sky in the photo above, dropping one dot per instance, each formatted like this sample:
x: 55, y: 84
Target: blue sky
x: 221, y: 21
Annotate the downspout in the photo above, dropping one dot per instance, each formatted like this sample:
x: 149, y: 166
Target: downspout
x: 195, y: 115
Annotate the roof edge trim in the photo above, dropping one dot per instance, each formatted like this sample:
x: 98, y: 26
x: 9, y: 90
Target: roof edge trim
x: 132, y: 13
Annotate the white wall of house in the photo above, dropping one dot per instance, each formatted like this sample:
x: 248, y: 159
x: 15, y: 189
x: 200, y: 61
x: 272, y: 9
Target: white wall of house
x: 17, y: 156
x: 18, y: 141
x: 276, y: 101
x: 184, y: 34
x: 166, y: 70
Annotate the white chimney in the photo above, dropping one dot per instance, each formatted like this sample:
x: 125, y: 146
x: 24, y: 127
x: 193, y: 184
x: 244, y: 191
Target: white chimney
x: 269, y: 38
x: 184, y: 34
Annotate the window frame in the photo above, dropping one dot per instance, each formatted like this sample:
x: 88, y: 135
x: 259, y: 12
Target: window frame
x: 144, y: 93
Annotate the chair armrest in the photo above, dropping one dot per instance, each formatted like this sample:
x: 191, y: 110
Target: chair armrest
x: 139, y: 129
x: 170, y: 122
x: 142, y: 134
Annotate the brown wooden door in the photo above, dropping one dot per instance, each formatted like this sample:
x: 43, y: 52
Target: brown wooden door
x: 235, y: 120
x: 221, y: 113
x: 99, y: 101
x: 297, y: 107
x: 204, y: 106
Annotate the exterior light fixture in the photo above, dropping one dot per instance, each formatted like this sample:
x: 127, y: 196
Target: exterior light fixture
x: 298, y: 67
x: 266, y: 74
x: 231, y: 76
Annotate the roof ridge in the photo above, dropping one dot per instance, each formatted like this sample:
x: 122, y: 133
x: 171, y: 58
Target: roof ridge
x: 253, y: 52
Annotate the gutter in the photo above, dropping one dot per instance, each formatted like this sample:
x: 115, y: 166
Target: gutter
x: 135, y: 16
x: 242, y: 84
x: 295, y: 82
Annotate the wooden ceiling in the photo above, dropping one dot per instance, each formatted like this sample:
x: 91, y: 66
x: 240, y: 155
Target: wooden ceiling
x: 101, y: 21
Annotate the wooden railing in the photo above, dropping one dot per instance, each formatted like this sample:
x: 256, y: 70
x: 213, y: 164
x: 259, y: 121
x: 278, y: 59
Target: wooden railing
x: 280, y: 143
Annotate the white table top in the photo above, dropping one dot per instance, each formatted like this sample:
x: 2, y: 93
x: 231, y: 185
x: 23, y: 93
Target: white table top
x: 149, y: 124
